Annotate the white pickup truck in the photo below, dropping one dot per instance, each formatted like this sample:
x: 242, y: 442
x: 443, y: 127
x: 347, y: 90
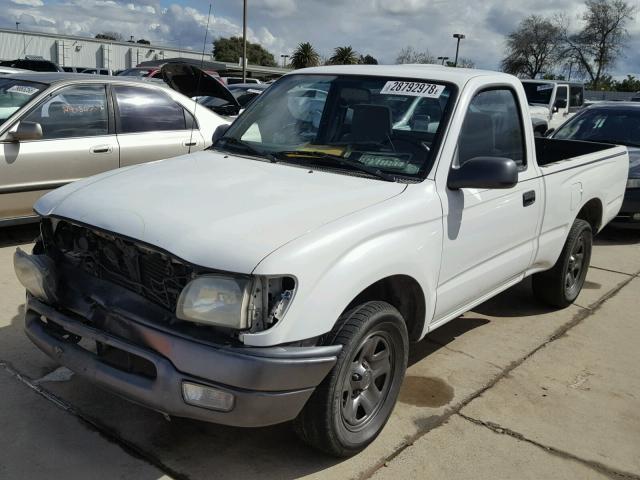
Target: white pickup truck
x: 552, y: 102
x: 282, y: 274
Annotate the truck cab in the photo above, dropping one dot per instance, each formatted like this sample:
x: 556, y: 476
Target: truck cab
x: 553, y: 101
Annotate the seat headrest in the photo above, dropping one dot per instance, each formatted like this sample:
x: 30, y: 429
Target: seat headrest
x: 371, y: 123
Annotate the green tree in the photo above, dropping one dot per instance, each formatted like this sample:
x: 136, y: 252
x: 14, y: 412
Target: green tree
x: 114, y: 36
x: 305, y: 56
x: 229, y: 49
x: 142, y: 41
x: 367, y: 60
x: 344, y: 56
x: 629, y: 84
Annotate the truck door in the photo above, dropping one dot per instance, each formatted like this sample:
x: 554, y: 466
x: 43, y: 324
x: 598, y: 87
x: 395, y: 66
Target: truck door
x: 560, y: 106
x: 489, y: 234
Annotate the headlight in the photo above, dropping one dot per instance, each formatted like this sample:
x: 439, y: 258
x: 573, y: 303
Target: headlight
x: 215, y: 300
x: 240, y: 303
x: 633, y: 183
x: 35, y: 274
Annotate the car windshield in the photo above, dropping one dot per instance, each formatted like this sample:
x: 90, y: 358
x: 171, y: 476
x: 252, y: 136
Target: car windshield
x: 538, y: 93
x: 618, y: 126
x: 14, y: 94
x: 349, y: 122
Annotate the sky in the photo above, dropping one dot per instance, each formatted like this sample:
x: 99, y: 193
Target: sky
x: 377, y: 27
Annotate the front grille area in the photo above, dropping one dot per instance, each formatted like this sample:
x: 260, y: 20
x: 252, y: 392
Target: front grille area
x: 147, y: 272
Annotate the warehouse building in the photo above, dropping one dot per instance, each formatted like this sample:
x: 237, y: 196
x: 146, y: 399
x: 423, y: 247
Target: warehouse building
x: 70, y: 51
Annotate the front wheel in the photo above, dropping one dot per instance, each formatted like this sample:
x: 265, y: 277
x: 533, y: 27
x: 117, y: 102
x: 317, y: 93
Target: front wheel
x: 351, y: 406
x: 561, y: 285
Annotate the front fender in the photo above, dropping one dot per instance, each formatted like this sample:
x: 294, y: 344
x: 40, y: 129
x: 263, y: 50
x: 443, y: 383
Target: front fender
x: 401, y: 236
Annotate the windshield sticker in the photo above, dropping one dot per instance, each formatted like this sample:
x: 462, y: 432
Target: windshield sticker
x: 388, y: 162
x: 546, y: 86
x: 22, y: 89
x: 413, y: 89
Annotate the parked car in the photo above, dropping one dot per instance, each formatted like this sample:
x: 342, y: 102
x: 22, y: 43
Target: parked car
x: 140, y: 72
x: 242, y: 93
x: 617, y: 123
x: 97, y: 71
x: 37, y: 65
x: 234, y: 80
x: 282, y: 274
x: 59, y: 127
x: 552, y: 101
x: 246, y: 92
x: 74, y: 69
x: 9, y: 70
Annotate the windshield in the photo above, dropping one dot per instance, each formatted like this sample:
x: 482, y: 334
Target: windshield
x: 607, y: 125
x: 390, y: 125
x: 14, y: 94
x: 538, y: 93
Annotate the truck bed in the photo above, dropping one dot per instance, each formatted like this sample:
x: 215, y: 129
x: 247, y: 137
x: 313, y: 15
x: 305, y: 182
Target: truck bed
x: 551, y: 150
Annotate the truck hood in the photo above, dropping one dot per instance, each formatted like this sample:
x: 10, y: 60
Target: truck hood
x: 215, y: 210
x: 538, y: 111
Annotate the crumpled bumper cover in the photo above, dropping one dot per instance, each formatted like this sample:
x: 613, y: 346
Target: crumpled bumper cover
x: 269, y: 385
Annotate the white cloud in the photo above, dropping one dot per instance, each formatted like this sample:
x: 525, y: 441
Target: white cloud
x: 29, y: 3
x: 377, y: 27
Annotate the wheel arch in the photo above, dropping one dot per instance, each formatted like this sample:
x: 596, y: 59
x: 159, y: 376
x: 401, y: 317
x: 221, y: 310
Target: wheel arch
x: 592, y: 212
x: 404, y: 293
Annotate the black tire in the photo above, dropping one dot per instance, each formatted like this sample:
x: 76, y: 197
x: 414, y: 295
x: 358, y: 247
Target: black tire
x: 331, y: 421
x: 561, y: 285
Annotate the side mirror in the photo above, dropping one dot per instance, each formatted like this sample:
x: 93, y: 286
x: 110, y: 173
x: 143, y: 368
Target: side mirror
x: 549, y: 132
x: 484, y: 172
x: 219, y: 133
x: 561, y: 103
x: 26, y: 131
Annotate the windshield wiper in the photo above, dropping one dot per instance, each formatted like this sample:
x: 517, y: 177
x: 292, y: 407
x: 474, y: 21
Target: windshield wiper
x: 247, y: 148
x: 302, y: 154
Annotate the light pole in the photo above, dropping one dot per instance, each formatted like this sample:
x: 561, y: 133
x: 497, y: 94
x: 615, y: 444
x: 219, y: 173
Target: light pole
x: 284, y: 60
x: 244, y: 41
x: 459, y: 36
x: 443, y: 59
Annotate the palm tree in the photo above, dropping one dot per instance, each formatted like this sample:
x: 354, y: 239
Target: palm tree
x: 305, y: 56
x: 344, y: 56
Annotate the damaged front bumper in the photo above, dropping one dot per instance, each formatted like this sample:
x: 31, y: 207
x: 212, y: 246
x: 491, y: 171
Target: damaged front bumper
x: 102, y: 333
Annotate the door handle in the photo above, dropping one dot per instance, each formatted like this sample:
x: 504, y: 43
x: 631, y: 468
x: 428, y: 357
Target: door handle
x: 529, y: 198
x: 101, y: 149
x: 190, y: 144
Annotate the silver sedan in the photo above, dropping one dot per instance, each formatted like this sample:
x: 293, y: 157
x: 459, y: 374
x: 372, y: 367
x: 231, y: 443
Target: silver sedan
x: 57, y: 127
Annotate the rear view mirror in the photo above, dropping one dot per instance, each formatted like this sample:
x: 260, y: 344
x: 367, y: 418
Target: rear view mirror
x: 561, y: 103
x: 484, y: 172
x: 27, y: 131
x: 219, y: 133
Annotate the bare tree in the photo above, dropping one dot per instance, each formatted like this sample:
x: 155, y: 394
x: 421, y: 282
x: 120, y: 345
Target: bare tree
x: 410, y: 55
x: 602, y: 39
x: 533, y: 48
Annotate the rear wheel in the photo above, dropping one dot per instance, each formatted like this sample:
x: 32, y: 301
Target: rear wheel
x: 353, y: 403
x: 561, y: 285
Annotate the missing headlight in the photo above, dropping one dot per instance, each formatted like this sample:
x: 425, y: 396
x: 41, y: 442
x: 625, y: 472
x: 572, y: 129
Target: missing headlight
x: 270, y: 299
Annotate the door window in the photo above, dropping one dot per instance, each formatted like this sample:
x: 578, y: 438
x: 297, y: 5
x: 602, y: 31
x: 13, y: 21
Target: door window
x: 77, y: 111
x: 147, y: 110
x: 492, y: 128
